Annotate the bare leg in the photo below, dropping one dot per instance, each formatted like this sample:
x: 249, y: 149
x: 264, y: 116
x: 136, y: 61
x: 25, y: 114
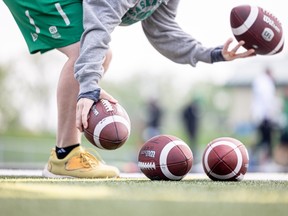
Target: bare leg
x: 67, y: 92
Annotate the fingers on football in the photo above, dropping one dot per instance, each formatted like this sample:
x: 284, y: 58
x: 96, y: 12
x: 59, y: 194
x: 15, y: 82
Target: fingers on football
x: 84, y: 114
x: 227, y: 44
x: 78, y: 117
x: 105, y: 95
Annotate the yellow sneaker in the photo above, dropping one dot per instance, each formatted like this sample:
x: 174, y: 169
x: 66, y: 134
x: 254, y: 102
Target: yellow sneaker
x: 79, y: 163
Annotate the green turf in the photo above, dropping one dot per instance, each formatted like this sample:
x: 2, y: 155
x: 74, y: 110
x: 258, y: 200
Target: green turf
x: 137, y: 197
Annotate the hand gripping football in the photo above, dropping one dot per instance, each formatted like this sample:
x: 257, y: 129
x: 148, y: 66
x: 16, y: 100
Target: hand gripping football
x: 259, y: 29
x: 108, y: 125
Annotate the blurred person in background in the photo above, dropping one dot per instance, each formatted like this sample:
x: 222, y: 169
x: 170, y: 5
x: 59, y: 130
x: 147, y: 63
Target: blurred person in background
x: 264, y: 109
x: 281, y: 149
x: 154, y: 119
x: 190, y: 117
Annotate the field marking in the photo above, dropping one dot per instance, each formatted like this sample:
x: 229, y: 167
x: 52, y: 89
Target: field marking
x: 248, y: 176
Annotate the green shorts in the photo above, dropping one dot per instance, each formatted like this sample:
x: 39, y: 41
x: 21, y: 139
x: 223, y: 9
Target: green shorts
x: 48, y: 24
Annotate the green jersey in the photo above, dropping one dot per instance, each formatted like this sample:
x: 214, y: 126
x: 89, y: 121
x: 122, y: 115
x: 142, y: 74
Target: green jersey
x: 48, y: 24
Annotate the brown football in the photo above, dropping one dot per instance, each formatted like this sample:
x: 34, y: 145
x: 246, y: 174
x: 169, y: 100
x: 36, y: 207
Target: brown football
x: 260, y: 29
x: 165, y: 157
x: 225, y: 159
x: 108, y: 125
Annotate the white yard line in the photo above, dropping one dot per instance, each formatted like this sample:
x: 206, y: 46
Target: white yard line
x: 20, y: 172
x: 248, y: 176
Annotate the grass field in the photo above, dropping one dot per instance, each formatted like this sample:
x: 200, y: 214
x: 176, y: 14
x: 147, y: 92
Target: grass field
x: 140, y: 196
x: 137, y: 196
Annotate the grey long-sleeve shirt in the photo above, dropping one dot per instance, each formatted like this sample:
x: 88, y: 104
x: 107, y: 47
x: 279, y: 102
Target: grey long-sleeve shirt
x: 159, y: 25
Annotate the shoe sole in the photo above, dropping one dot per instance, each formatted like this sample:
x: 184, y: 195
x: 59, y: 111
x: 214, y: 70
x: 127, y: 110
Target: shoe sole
x: 47, y: 174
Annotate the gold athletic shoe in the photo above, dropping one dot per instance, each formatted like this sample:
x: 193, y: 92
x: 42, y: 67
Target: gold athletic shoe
x: 79, y: 163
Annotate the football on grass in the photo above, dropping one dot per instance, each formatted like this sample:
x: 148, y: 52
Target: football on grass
x: 259, y: 28
x: 165, y: 157
x: 225, y: 159
x: 108, y: 125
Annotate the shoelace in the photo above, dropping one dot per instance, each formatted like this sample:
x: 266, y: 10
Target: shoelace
x: 90, y: 160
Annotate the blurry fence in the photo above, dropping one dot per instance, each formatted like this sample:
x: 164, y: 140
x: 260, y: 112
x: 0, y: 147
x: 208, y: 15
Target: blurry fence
x: 30, y: 152
x: 18, y: 152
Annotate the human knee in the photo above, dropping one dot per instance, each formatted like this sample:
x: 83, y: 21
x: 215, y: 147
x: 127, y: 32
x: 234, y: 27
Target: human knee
x: 71, y: 51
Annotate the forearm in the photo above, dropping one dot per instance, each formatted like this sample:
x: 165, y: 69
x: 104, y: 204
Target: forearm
x: 170, y: 40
